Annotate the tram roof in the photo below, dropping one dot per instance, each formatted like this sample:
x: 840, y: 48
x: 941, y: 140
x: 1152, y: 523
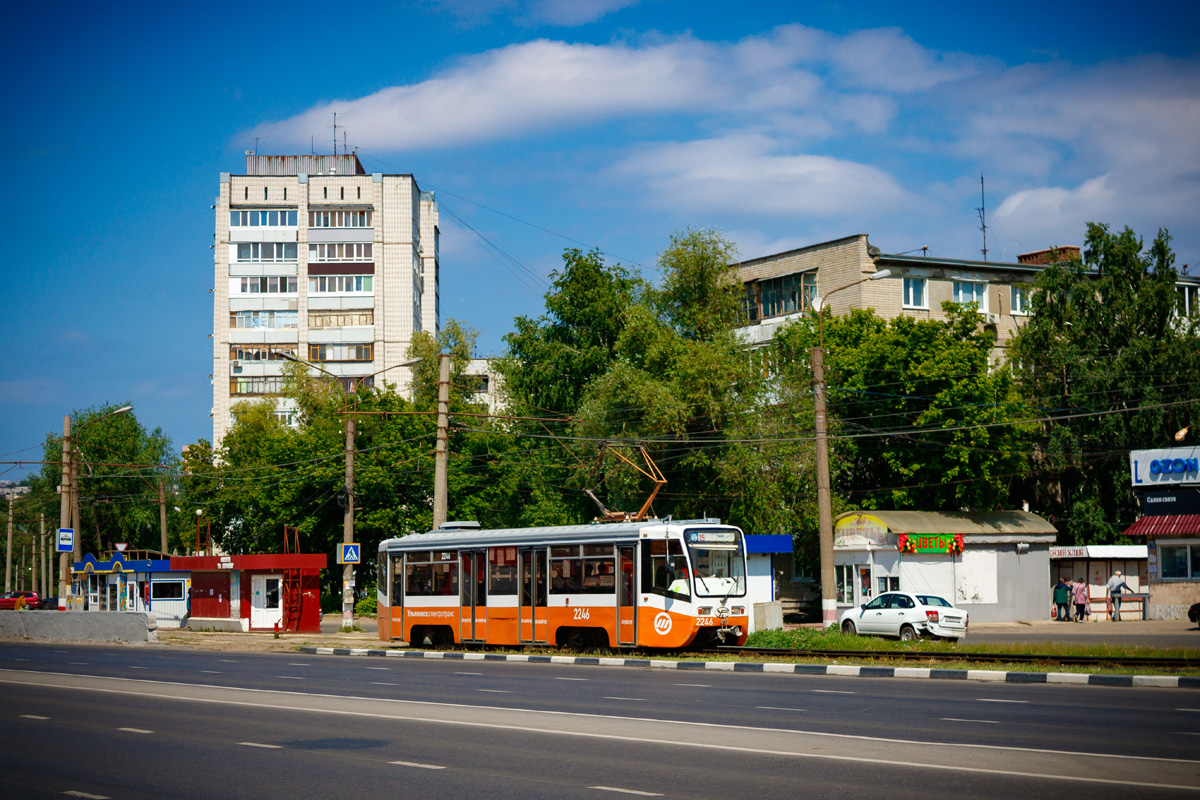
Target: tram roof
x: 565, y: 534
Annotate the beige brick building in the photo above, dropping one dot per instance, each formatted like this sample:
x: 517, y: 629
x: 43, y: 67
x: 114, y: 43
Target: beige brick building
x: 315, y: 258
x: 780, y: 287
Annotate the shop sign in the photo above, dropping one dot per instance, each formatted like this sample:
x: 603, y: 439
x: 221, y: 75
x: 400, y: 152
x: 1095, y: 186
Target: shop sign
x: 1068, y: 552
x: 859, y: 529
x: 930, y: 543
x: 1179, y: 501
x: 1168, y: 467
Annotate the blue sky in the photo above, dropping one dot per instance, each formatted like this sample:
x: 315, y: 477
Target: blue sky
x: 595, y: 123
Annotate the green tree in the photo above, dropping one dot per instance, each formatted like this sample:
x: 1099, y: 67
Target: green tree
x: 1108, y: 358
x: 458, y: 341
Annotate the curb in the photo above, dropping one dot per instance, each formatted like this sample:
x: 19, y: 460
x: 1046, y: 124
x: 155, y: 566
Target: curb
x: 1081, y: 679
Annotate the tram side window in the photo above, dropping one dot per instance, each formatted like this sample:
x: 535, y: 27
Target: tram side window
x: 418, y: 575
x: 566, y: 570
x: 445, y: 574
x: 599, y: 569
x: 397, y: 580
x: 502, y: 570
x: 656, y: 555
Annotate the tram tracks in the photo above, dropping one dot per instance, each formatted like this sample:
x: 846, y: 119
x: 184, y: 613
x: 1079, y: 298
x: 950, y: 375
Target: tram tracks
x: 1045, y: 659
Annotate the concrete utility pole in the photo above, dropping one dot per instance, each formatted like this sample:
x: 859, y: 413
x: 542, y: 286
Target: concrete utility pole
x: 47, y: 562
x: 162, y: 513
x: 64, y: 511
x: 824, y: 500
x: 36, y: 556
x: 348, y: 526
x: 8, y: 549
x: 442, y: 454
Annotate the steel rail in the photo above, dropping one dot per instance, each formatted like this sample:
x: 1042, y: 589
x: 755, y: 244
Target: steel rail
x: 982, y: 658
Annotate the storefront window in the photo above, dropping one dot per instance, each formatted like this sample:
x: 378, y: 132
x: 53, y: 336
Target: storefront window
x: 1196, y: 561
x: 845, y: 583
x: 1174, y: 562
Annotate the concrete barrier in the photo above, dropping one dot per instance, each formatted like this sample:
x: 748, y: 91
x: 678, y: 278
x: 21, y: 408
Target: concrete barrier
x: 79, y: 626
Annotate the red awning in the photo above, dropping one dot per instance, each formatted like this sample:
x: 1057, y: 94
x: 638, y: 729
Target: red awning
x: 1167, y: 525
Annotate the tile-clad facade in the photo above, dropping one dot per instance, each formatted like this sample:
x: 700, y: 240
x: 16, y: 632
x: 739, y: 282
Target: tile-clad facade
x: 345, y: 289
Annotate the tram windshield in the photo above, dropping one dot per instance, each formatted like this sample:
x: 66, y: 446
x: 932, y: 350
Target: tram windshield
x: 718, y: 562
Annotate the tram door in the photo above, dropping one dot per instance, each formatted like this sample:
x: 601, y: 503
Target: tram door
x: 626, y: 599
x: 473, y: 583
x: 533, y: 624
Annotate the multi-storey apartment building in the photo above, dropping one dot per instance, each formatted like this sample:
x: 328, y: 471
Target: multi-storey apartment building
x: 316, y: 259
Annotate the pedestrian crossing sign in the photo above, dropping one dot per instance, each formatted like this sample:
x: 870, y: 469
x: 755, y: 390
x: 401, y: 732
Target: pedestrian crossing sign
x: 349, y: 554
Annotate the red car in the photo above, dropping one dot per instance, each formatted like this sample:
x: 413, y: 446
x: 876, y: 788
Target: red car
x: 8, y: 600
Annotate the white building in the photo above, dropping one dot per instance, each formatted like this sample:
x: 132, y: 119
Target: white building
x: 315, y: 258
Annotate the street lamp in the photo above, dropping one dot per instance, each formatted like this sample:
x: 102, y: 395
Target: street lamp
x: 348, y: 515
x: 68, y: 492
x: 1183, y: 432
x: 824, y: 503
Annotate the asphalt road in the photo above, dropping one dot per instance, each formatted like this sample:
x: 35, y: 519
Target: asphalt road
x: 154, y: 722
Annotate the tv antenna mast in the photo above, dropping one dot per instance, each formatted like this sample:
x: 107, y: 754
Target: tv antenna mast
x: 335, y: 127
x: 982, y: 216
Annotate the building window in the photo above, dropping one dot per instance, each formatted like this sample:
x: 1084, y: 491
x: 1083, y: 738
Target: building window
x: 262, y: 218
x: 340, y: 319
x: 286, y: 416
x: 966, y: 292
x: 263, y: 285
x: 360, y: 193
x: 256, y: 384
x: 789, y: 294
x: 265, y: 252
x: 263, y: 319
x: 1018, y: 301
x: 264, y: 193
x: 325, y: 192
x: 350, y: 384
x: 340, y: 218
x: 246, y: 193
x: 252, y: 353
x: 340, y: 251
x: 915, y: 293
x: 340, y: 352
x: 844, y: 580
x: 341, y: 284
x: 1179, y: 562
x: 1189, y: 299
x: 285, y: 193
x: 343, y: 194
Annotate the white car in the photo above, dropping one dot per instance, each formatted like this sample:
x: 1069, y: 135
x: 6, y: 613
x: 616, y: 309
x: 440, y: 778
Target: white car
x: 907, y: 616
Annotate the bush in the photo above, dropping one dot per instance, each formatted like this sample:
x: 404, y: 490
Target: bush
x: 366, y: 607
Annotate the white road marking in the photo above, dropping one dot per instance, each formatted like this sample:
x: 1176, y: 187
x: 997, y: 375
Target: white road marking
x: 831, y: 691
x: 377, y: 683
x: 570, y: 679
x: 468, y: 673
x: 990, y: 700
x: 298, y: 665
x: 136, y: 667
x: 258, y: 744
x: 984, y: 721
x: 135, y: 730
x: 625, y: 791
x: 417, y: 765
x: 697, y: 685
x: 1187, y: 709
x: 211, y: 672
x: 228, y: 661
x: 778, y: 708
x: 495, y: 691
x: 631, y: 699
x: 290, y: 677
x: 1189, y: 733
x: 73, y: 793
x: 32, y: 716
x: 77, y: 663
x: 385, y: 669
x: 20, y: 659
x: 62, y: 652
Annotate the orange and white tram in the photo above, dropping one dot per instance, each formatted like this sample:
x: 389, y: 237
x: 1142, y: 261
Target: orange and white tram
x: 656, y: 583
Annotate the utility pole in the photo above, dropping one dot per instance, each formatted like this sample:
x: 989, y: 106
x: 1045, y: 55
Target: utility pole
x: 36, y: 555
x: 8, y: 549
x: 64, y: 511
x: 47, y: 562
x: 442, y: 453
x: 162, y: 512
x: 348, y: 526
x: 824, y: 503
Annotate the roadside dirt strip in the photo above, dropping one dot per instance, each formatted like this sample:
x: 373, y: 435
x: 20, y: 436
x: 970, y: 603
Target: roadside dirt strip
x: 1072, y: 767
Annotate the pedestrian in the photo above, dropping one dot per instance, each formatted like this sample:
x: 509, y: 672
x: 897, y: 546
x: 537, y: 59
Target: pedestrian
x: 1062, y: 596
x: 1115, y: 584
x: 1080, y: 592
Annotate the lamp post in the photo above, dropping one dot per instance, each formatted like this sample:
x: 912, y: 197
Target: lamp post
x: 824, y: 502
x: 68, y: 492
x: 348, y: 513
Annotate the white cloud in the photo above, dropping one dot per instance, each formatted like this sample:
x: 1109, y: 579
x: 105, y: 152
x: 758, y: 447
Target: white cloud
x: 755, y: 174
x: 885, y: 59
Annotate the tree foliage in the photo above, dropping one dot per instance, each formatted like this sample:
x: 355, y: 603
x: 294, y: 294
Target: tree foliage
x: 1113, y: 367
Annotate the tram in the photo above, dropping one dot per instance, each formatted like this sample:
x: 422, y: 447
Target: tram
x: 654, y: 583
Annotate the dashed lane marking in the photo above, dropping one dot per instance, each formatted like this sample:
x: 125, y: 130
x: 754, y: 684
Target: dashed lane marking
x: 289, y: 677
x: 381, y: 669
x: 983, y: 721
x: 570, y: 679
x: 630, y: 699
x: 32, y: 716
x: 260, y: 744
x: 417, y: 765
x: 778, y: 708
x: 625, y: 791
x: 495, y: 691
x: 229, y: 661
x: 211, y: 672
x: 379, y: 683
x: 831, y: 691
x: 135, y: 730
x: 21, y: 659
x: 133, y: 666
x: 696, y: 685
x: 993, y: 700
x: 75, y: 793
x: 468, y: 673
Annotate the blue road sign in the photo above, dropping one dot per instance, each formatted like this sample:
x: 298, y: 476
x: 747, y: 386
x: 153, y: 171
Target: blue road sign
x: 348, y: 554
x: 66, y: 540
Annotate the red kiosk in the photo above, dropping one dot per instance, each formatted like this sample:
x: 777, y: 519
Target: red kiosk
x: 254, y: 592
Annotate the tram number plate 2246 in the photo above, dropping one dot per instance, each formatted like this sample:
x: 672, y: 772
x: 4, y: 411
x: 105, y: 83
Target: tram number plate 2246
x: 583, y: 613
x: 705, y: 621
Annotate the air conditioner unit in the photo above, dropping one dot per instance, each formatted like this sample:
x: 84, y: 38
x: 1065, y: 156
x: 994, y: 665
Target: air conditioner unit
x: 237, y: 363
x: 992, y: 319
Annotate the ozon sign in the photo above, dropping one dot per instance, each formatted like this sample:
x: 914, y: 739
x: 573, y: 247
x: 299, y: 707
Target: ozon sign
x: 662, y: 623
x: 1172, y: 467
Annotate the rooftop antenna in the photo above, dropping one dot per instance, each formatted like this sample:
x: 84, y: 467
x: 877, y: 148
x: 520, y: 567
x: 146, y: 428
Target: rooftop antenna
x: 344, y: 148
x: 335, y: 127
x: 256, y: 141
x: 312, y: 145
x: 982, y: 216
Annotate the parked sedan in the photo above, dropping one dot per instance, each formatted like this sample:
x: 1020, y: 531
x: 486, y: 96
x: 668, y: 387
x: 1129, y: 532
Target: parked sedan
x: 8, y: 600
x: 906, y: 616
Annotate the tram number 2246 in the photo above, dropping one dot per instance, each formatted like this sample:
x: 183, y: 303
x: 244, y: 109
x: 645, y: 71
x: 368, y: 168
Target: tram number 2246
x: 583, y: 613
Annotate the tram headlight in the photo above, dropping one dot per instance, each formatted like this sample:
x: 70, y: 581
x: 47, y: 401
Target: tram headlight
x: 704, y: 611
x: 738, y: 611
